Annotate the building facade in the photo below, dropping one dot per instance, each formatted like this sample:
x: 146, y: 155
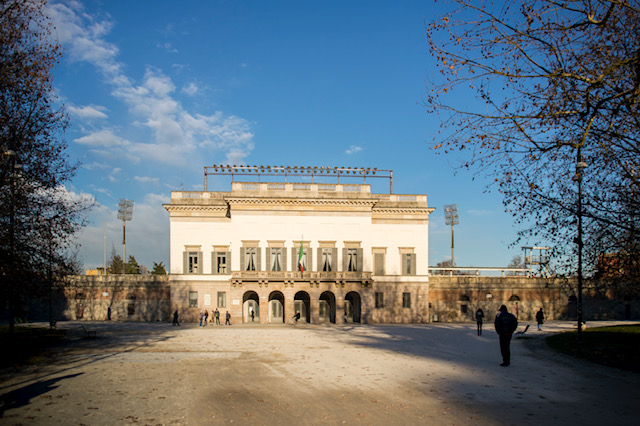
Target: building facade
x: 332, y: 252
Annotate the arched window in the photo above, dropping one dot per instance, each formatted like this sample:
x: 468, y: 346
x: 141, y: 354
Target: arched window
x: 464, y: 298
x: 514, y: 298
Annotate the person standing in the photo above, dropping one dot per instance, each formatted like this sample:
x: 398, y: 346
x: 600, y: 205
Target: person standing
x: 216, y: 314
x: 227, y: 318
x: 479, y: 320
x: 540, y: 319
x: 505, y: 324
x: 201, y: 317
x: 206, y: 318
x: 175, y: 318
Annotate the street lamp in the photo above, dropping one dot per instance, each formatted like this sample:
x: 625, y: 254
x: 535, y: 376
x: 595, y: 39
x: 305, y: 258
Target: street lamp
x: 451, y: 218
x: 14, y: 167
x: 125, y: 212
x: 580, y: 166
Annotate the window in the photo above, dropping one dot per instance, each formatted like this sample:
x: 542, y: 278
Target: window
x: 327, y: 259
x: 302, y: 260
x: 406, y: 300
x: 193, y: 299
x: 464, y: 309
x: 192, y: 262
x: 352, y: 260
x: 378, y: 260
x: 276, y: 259
x: 250, y: 259
x: 379, y: 300
x: 408, y: 259
x: 222, y: 299
x: 221, y: 263
x: 131, y: 309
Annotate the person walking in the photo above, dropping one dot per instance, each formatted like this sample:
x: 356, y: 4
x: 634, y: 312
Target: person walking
x: 505, y: 324
x: 206, y: 318
x: 201, y: 317
x: 216, y: 315
x: 479, y: 320
x: 227, y: 318
x: 175, y: 318
x: 540, y: 319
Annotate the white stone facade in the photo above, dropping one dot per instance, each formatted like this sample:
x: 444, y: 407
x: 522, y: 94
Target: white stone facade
x: 245, y: 243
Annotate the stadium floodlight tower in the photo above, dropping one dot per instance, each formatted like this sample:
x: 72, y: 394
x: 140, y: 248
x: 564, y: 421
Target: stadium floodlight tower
x: 125, y: 212
x: 451, y: 218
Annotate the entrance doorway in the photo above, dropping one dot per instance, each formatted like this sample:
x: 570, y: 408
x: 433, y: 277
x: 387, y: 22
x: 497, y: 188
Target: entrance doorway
x: 276, y: 307
x: 250, y: 307
x: 352, y: 307
x: 301, y: 303
x: 327, y: 307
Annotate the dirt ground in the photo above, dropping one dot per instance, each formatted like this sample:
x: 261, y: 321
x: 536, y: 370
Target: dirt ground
x: 158, y: 374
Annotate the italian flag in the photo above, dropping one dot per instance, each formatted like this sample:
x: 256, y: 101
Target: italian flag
x: 300, y: 266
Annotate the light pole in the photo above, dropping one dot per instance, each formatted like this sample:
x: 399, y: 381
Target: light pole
x: 451, y: 218
x: 580, y: 166
x: 14, y: 166
x: 125, y: 212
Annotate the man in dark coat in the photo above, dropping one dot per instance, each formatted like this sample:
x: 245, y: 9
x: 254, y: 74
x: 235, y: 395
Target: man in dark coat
x: 505, y: 324
x: 540, y: 319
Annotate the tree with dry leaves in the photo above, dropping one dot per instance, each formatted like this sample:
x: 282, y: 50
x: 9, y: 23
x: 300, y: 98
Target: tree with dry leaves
x: 38, y: 216
x: 556, y: 84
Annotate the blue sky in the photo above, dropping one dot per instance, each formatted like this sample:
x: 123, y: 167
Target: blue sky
x: 156, y: 90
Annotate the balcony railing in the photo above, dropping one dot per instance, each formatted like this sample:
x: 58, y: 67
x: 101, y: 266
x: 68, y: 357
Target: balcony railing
x: 296, y: 275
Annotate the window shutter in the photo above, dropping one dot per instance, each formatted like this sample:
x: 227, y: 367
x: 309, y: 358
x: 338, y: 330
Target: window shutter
x: 243, y: 267
x: 334, y: 259
x: 345, y: 260
x: 200, y: 264
x: 319, y: 259
x: 214, y: 266
x: 258, y: 264
x: 379, y: 263
x: 360, y: 265
x: 284, y: 258
x: 185, y: 262
x: 228, y: 271
x: 310, y: 259
x: 268, y: 259
x: 413, y: 264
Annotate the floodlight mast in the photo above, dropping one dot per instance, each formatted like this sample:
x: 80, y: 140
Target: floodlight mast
x: 125, y: 212
x: 451, y: 218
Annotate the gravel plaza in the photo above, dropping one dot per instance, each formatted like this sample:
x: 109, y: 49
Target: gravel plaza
x: 155, y: 373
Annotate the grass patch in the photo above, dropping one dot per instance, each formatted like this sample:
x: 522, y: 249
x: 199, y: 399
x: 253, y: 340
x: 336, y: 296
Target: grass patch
x: 26, y: 345
x: 616, y: 346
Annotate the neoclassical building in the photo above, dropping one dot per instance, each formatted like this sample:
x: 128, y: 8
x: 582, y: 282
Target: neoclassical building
x: 332, y: 252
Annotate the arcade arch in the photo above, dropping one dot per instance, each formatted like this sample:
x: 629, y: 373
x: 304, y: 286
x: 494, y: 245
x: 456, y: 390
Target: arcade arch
x: 250, y: 304
x: 327, y: 307
x: 276, y: 307
x: 352, y: 307
x: 302, y: 304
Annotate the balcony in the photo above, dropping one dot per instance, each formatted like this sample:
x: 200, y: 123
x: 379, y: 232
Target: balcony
x: 300, y: 276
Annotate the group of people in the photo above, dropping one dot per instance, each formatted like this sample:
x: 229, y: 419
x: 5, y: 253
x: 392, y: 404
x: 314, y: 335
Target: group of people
x: 505, y: 324
x: 204, y: 318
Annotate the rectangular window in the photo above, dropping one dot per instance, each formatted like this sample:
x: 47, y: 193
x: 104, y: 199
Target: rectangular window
x: 192, y: 265
x: 406, y: 300
x: 193, y: 299
x: 250, y: 259
x: 379, y: 300
x: 407, y: 264
x: 327, y: 259
x: 352, y: 260
x: 221, y: 263
x: 222, y: 299
x: 378, y: 259
x: 276, y: 259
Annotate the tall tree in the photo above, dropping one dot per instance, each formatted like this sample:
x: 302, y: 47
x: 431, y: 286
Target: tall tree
x: 158, y: 269
x: 38, y: 216
x: 557, y: 84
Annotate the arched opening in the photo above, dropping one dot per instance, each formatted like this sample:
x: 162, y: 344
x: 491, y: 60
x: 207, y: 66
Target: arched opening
x: 131, y: 304
x: 250, y: 307
x: 276, y: 307
x: 515, y: 299
x: 352, y: 307
x: 302, y: 303
x: 327, y: 307
x: 572, y: 307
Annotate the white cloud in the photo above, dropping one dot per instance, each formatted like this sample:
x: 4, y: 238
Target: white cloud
x: 353, y: 149
x: 168, y: 47
x: 152, y: 103
x: 190, y: 89
x: 102, y: 138
x: 146, y: 179
x: 88, y: 113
